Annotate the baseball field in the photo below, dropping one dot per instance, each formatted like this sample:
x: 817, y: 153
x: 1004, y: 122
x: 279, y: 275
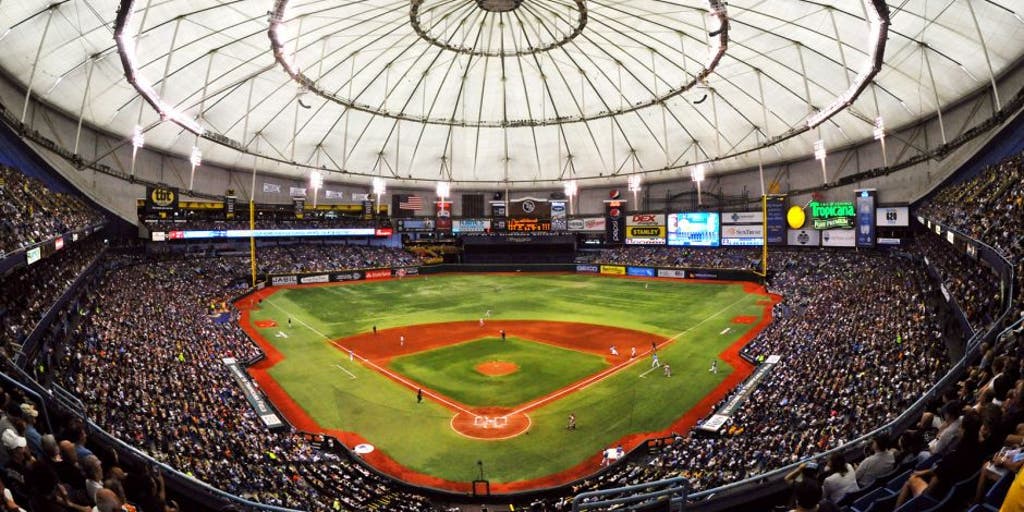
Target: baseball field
x: 440, y: 372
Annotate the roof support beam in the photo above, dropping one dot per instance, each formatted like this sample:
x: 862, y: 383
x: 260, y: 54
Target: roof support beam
x: 988, y: 59
x: 35, y: 61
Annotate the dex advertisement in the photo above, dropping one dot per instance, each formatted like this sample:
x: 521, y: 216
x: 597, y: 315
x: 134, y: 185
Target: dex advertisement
x: 645, y: 229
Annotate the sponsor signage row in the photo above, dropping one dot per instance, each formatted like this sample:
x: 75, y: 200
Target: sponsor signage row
x: 640, y: 271
x: 614, y: 270
x: 838, y: 238
x: 674, y: 273
x: 158, y: 236
x: 742, y: 218
x: 840, y: 214
x: 750, y: 234
x: 588, y: 269
x: 343, y: 276
x: 255, y: 398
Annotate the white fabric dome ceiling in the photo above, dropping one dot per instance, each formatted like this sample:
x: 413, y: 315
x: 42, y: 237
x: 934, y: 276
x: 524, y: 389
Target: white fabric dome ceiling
x: 484, y: 91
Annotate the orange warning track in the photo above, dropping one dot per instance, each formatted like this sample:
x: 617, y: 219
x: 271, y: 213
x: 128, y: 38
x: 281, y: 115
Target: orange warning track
x: 380, y: 348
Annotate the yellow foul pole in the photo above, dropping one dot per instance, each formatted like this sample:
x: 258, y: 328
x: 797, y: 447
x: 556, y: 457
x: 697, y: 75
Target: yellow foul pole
x: 252, y: 238
x: 764, y: 234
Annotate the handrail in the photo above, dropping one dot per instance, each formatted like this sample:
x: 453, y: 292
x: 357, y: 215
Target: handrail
x: 672, y: 486
x: 39, y: 398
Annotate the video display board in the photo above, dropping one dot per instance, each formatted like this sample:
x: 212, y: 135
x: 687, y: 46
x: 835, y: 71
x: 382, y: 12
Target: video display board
x: 694, y: 229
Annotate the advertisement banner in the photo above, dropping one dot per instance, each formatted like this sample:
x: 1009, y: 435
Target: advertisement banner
x: 528, y: 225
x: 498, y: 209
x: 380, y: 273
x: 367, y: 210
x: 320, y: 278
x: 404, y: 225
x: 229, y: 206
x: 865, y: 217
x: 742, y: 218
x: 839, y: 238
x: 407, y: 271
x: 589, y: 269
x: 58, y: 244
x: 33, y: 255
x: 704, y: 274
x: 383, y: 232
x: 346, y: 276
x: 587, y: 224
x: 471, y: 225
x: 833, y: 215
x: 950, y: 238
x: 559, y: 220
x: 742, y: 234
x: 615, y: 270
x: 161, y: 199
x: 158, y: 236
x: 892, y: 216
x: 299, y: 204
x: 252, y: 395
x: 804, y: 237
x: 283, y: 280
x: 672, y: 272
x: 645, y: 229
x: 888, y: 241
x: 444, y: 215
x: 640, y: 271
x: 776, y: 209
x: 529, y: 207
x: 615, y: 222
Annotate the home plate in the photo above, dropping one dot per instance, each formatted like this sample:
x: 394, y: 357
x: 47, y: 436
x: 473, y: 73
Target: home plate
x: 363, y: 448
x: 726, y: 330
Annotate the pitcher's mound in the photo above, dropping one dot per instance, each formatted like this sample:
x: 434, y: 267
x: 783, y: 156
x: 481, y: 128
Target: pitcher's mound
x: 497, y: 368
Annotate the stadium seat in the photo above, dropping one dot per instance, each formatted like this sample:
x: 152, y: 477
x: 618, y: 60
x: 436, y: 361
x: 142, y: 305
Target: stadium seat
x: 997, y: 492
x: 895, y: 483
x: 921, y: 503
x: 885, y: 504
x: 864, y: 502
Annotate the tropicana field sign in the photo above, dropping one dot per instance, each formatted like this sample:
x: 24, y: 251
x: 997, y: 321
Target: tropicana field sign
x: 832, y: 215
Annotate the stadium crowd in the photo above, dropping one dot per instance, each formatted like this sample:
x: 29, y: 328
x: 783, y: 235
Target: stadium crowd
x: 31, y: 213
x: 29, y: 291
x: 149, y: 341
x: 843, y: 312
x: 282, y: 259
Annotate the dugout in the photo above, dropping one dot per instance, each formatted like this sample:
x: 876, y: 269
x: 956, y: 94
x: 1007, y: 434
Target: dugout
x: 518, y: 248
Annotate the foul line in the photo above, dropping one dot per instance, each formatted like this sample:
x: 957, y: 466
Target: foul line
x: 644, y: 374
x: 393, y: 376
x: 600, y: 376
x: 342, y: 368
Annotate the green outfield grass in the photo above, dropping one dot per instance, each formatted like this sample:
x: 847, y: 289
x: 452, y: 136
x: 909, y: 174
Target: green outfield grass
x: 542, y: 369
x: 345, y: 395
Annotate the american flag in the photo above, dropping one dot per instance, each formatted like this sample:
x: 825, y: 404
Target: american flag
x: 411, y: 202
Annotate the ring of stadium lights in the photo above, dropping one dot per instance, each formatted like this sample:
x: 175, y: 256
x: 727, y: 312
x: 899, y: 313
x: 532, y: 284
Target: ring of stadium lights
x: 415, y: 16
x: 877, y: 14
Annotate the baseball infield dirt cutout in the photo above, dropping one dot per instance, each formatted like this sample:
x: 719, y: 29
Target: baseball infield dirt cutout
x: 497, y: 368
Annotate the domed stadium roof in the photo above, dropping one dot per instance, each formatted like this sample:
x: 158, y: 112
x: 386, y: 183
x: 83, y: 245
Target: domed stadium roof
x: 528, y: 92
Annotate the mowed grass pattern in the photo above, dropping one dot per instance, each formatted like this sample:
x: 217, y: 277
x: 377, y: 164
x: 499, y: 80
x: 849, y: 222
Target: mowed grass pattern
x: 542, y: 369
x: 419, y: 436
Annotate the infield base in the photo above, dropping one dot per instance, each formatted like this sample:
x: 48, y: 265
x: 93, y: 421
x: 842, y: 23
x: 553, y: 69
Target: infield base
x: 490, y: 425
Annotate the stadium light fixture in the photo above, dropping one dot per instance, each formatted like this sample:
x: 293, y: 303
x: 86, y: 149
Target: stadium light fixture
x: 820, y: 155
x: 697, y: 175
x: 880, y: 137
x: 138, y: 140
x: 196, y: 159
x: 316, y: 181
x: 571, y: 189
x: 379, y: 186
x: 443, y: 189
